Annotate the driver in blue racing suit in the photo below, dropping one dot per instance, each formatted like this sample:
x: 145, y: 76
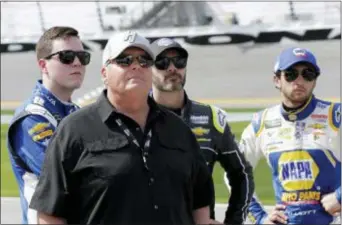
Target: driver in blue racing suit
x: 62, y: 62
x: 300, y: 140
x: 29, y: 132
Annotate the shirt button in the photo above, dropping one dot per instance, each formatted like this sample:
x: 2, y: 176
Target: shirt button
x: 151, y: 181
x: 156, y: 207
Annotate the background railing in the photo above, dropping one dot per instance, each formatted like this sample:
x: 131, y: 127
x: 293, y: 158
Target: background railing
x: 25, y: 21
x: 249, y: 13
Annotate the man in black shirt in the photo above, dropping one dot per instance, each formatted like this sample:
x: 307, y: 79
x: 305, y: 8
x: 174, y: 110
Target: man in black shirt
x: 208, y: 123
x: 123, y: 159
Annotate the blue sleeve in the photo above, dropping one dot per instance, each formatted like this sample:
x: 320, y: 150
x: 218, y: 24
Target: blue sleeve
x: 336, y: 123
x: 256, y: 212
x: 30, y: 140
x: 338, y: 194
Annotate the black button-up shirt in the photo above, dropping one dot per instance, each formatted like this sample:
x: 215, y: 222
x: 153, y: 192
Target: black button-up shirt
x: 94, y: 174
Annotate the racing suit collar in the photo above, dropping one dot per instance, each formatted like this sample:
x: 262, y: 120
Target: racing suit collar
x: 302, y: 112
x: 51, y: 99
x: 187, y: 105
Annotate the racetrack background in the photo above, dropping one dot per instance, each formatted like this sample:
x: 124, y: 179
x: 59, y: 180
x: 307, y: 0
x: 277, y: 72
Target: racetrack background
x: 224, y: 75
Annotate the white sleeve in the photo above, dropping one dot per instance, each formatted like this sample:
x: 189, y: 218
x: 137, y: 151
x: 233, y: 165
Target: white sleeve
x: 249, y: 146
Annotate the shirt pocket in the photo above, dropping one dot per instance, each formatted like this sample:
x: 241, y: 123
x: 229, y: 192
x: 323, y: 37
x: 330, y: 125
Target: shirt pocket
x: 178, y: 162
x: 108, y: 158
x: 172, y: 177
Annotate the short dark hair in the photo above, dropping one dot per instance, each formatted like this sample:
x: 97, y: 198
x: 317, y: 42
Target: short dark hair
x: 44, y: 45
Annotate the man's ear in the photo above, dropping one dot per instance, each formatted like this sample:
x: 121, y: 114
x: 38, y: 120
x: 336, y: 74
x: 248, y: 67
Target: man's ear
x: 42, y: 66
x: 276, y: 81
x: 104, y: 75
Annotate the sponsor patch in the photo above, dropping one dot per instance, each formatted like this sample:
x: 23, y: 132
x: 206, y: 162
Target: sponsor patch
x: 318, y: 134
x: 43, y: 135
x: 51, y: 100
x: 319, y: 116
x: 285, y: 133
x: 272, y: 123
x: 300, y: 127
x: 303, y: 212
x: 317, y: 126
x: 38, y: 100
x: 199, y: 119
x: 297, y: 171
x: 38, y: 128
x: 338, y: 114
x: 221, y: 118
x: 301, y: 196
x: 203, y: 139
x: 274, y: 143
x: 200, y: 131
x: 299, y: 52
x: 321, y: 105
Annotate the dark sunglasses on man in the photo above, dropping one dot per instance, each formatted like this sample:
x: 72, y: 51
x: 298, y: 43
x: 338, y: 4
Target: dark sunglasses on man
x: 127, y: 60
x: 292, y: 74
x: 68, y: 56
x: 162, y: 63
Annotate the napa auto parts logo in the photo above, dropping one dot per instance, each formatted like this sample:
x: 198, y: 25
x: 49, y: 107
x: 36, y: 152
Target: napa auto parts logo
x: 204, y: 36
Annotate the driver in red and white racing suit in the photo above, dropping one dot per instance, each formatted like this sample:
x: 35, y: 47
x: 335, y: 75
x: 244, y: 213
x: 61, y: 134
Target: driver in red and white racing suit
x: 300, y: 140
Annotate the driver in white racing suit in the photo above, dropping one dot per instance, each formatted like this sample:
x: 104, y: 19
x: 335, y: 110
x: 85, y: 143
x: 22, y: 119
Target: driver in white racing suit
x: 300, y: 140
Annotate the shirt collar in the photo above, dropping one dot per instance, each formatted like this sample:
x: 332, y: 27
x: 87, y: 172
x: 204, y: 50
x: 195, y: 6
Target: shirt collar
x: 106, y: 110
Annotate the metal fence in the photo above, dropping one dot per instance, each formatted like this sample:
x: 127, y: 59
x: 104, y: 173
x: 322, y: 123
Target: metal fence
x: 249, y: 13
x: 27, y: 20
x: 20, y: 20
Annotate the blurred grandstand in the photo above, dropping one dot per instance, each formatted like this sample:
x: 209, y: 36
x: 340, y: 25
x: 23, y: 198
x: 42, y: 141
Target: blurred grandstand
x: 281, y: 13
x: 25, y: 21
x: 246, y: 25
x: 22, y: 21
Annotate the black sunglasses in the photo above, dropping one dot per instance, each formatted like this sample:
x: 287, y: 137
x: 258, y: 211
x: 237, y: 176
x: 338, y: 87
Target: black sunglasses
x: 127, y: 60
x: 68, y: 56
x: 162, y: 63
x: 293, y: 74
